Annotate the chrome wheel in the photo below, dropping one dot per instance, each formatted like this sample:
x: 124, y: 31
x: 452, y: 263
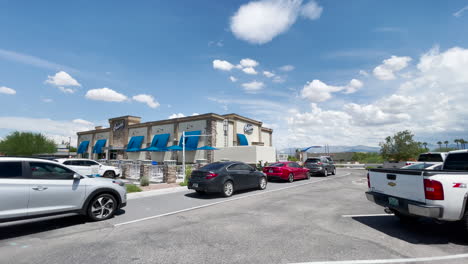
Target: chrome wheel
x: 263, y: 183
x: 102, y: 207
x: 325, y: 173
x: 291, y: 177
x: 228, y: 188
x: 109, y: 174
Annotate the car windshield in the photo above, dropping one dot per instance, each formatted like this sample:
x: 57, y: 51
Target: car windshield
x: 312, y: 161
x: 430, y: 157
x: 277, y: 165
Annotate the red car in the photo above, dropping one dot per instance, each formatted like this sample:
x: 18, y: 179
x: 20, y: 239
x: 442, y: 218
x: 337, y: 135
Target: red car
x: 287, y: 170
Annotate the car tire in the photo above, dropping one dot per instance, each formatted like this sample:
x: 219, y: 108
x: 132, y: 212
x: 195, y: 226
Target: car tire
x: 334, y: 171
x: 406, y: 219
x: 228, y: 189
x: 102, y: 207
x: 308, y: 176
x: 200, y: 192
x: 262, y: 184
x: 325, y: 173
x: 291, y: 177
x: 109, y: 174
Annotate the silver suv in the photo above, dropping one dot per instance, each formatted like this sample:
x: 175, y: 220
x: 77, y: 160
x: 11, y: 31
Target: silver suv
x: 32, y: 188
x: 323, y: 165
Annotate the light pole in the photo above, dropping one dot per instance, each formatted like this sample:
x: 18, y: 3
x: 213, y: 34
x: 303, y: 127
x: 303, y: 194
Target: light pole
x: 183, y: 149
x: 69, y: 146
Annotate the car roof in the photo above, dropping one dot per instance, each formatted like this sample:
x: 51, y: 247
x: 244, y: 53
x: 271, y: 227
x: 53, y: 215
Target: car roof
x: 458, y: 151
x: 26, y: 159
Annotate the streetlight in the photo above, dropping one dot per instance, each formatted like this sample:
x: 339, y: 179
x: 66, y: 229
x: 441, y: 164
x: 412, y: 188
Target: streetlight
x: 183, y: 149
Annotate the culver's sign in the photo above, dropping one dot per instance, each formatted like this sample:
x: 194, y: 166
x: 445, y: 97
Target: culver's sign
x: 248, y: 129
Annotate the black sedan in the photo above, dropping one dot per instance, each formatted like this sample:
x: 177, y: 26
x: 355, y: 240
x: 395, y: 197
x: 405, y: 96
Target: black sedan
x: 226, y: 177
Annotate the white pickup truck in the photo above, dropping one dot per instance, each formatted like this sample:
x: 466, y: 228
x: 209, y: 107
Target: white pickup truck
x: 410, y: 194
x: 91, y: 167
x: 429, y: 157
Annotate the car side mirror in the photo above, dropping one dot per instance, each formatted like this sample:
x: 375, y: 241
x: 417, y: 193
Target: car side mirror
x: 76, y: 176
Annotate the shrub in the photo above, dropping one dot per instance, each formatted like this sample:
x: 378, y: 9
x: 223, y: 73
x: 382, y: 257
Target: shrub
x: 144, y: 181
x: 188, y: 173
x: 133, y: 188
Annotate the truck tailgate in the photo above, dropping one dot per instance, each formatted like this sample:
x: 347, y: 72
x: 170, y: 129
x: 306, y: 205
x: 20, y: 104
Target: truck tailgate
x: 407, y: 184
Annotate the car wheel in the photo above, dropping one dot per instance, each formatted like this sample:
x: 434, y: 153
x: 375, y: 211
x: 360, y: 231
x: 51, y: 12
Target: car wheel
x: 308, y: 176
x: 291, y: 177
x: 325, y: 173
x: 228, y: 188
x: 334, y: 171
x: 102, y: 207
x: 109, y: 174
x: 262, y: 183
x: 200, y: 192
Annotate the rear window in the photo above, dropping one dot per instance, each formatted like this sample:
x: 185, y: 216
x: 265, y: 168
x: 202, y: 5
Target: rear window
x: 312, y: 160
x: 213, y: 166
x: 420, y: 166
x: 10, y: 170
x: 430, y: 158
x: 276, y: 165
x: 456, y: 161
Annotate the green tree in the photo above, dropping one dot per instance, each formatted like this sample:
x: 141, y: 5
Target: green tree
x: 462, y: 143
x: 425, y: 146
x: 73, y: 149
x: 292, y: 158
x: 440, y: 144
x: 400, y: 147
x: 26, y: 144
x: 446, y: 143
x: 457, y: 141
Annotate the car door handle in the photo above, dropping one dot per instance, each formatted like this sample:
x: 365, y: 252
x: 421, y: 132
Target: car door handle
x: 40, y: 188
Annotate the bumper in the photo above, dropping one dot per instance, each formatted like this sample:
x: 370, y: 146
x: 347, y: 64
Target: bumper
x: 204, y: 186
x: 277, y: 176
x: 406, y: 206
x: 316, y: 170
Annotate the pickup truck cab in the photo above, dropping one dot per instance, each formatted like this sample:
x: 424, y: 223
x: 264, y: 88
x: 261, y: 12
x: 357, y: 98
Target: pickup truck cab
x: 429, y: 157
x: 409, y: 194
x: 91, y: 167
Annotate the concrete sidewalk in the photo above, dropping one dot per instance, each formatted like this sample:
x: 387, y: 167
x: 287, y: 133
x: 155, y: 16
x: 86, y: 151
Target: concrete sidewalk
x: 136, y: 195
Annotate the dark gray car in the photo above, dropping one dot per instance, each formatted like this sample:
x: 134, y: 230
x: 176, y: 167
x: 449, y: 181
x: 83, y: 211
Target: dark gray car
x: 323, y: 165
x: 226, y: 177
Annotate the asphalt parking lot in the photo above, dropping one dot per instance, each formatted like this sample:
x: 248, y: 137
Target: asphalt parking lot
x: 319, y: 220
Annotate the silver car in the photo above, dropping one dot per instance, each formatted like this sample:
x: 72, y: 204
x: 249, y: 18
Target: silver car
x: 32, y: 188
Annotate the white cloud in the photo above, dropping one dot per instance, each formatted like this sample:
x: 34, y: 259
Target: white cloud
x: 179, y: 115
x: 233, y: 79
x: 147, y: 99
x: 311, y: 10
x: 287, y: 68
x: 7, y: 90
x: 66, y: 90
x: 195, y: 114
x: 250, y: 71
x: 62, y: 78
x: 258, y: 22
x: 222, y: 65
x: 56, y: 129
x: 278, y: 79
x: 216, y: 43
x: 268, y: 74
x: 318, y: 91
x: 363, y: 73
x: 387, y: 70
x: 47, y: 100
x: 253, y: 87
x: 459, y: 13
x: 33, y: 61
x: 248, y: 63
x: 105, y: 94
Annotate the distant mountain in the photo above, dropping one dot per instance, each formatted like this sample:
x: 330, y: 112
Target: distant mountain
x: 335, y: 149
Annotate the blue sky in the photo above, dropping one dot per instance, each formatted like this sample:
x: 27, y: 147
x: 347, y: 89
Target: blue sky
x: 163, y: 52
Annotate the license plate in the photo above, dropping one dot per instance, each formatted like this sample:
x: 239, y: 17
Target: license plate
x: 270, y: 171
x: 393, y: 201
x: 195, y: 185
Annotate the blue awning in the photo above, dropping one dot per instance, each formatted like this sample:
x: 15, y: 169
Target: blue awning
x: 135, y: 144
x: 98, y: 146
x: 207, y: 148
x: 174, y: 148
x: 159, y: 143
x: 242, y: 140
x: 191, y: 143
x: 83, y: 147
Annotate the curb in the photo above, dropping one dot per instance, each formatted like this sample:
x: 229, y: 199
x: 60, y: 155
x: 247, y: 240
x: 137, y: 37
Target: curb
x: 136, y: 195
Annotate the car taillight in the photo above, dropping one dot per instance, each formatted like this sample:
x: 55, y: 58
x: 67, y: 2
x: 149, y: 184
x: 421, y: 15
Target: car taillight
x: 368, y: 181
x: 433, y: 190
x: 319, y: 163
x: 210, y: 176
x: 408, y: 163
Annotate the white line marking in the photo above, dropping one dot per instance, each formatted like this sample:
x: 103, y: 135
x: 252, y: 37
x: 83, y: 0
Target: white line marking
x: 380, y: 261
x: 365, y: 215
x: 224, y: 201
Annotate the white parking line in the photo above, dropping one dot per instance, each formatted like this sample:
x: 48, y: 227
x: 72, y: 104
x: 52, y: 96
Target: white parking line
x: 225, y: 201
x: 366, y: 215
x: 384, y: 261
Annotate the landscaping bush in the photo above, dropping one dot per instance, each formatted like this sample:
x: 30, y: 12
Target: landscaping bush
x: 133, y: 188
x: 144, y: 181
x: 188, y: 173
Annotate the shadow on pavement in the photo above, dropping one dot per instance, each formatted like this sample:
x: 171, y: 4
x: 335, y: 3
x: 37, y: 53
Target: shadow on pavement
x: 424, y: 231
x: 34, y: 226
x: 208, y: 196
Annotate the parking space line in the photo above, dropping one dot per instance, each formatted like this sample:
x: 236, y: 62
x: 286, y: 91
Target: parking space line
x: 366, y: 215
x: 384, y: 261
x: 224, y: 201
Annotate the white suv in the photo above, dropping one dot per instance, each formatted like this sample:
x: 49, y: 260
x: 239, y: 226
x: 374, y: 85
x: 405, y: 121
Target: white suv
x: 32, y: 188
x: 90, y: 167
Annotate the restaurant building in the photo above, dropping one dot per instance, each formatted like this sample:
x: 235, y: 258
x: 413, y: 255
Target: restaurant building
x: 235, y: 137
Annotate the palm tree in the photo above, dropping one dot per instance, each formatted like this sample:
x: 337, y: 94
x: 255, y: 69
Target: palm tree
x: 440, y: 144
x: 425, y: 145
x: 446, y: 144
x: 462, y: 142
x: 457, y: 141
